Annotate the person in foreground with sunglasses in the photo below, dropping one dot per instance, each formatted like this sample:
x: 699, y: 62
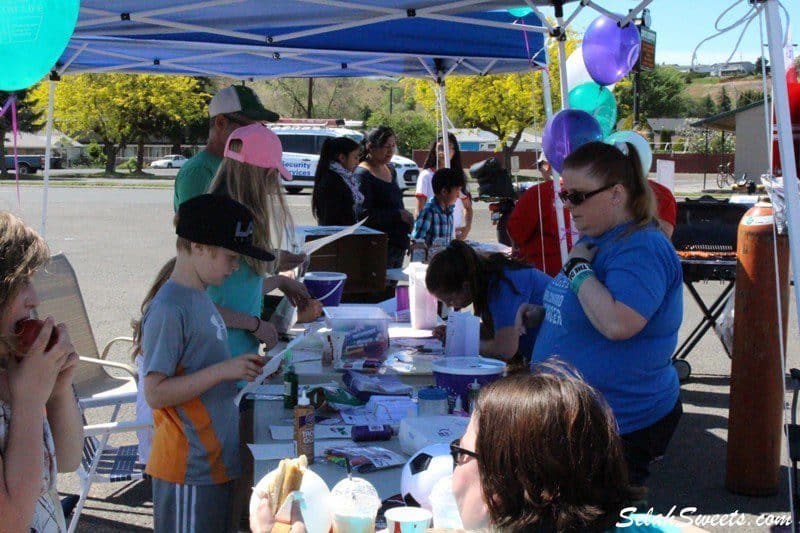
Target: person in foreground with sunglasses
x: 615, y: 308
x: 541, y: 453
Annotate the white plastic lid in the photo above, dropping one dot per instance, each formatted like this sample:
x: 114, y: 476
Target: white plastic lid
x: 469, y: 366
x: 303, y: 399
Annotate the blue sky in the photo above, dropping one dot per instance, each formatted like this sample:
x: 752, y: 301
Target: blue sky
x: 681, y: 24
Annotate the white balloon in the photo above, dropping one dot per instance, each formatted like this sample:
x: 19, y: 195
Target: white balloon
x: 315, y: 504
x: 576, y: 70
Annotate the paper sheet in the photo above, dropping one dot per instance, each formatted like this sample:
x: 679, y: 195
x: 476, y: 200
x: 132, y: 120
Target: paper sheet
x: 270, y: 368
x: 380, y: 410
x: 312, y: 246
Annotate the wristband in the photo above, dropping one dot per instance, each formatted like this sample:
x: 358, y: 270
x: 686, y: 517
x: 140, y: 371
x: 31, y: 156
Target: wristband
x: 578, y: 279
x: 577, y: 269
x: 258, y: 325
x: 572, y: 263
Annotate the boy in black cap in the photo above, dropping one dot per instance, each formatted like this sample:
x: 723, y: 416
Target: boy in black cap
x: 190, y: 378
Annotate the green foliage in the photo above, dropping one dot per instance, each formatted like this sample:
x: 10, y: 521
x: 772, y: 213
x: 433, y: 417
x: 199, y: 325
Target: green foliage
x: 129, y: 164
x: 725, y: 102
x: 748, y: 97
x: 117, y: 109
x: 695, y: 140
x: 414, y: 130
x: 95, y: 155
x: 660, y: 94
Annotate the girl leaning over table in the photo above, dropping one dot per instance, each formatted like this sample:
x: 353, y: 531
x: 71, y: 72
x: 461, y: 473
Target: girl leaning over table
x: 496, y: 287
x: 615, y: 308
x: 45, y: 434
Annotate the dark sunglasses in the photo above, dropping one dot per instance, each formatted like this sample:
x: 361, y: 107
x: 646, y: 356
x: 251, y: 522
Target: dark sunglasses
x: 458, y: 453
x: 577, y: 198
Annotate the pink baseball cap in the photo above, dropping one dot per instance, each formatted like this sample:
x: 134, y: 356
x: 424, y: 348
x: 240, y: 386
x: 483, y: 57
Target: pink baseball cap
x: 260, y: 148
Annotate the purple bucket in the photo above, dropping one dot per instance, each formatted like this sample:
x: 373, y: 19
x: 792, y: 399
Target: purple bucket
x: 455, y: 374
x: 327, y: 287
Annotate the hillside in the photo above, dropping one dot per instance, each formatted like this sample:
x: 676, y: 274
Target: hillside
x: 701, y: 87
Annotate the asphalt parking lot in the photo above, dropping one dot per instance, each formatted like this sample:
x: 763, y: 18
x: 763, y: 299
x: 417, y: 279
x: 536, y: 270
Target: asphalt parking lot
x: 117, y: 238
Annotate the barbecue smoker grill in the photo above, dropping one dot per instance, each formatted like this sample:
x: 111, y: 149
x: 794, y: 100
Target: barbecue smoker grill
x: 705, y: 239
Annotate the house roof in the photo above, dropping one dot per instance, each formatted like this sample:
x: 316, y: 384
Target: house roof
x: 29, y: 140
x: 725, y: 121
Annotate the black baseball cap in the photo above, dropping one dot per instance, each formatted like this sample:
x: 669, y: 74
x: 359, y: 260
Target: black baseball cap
x: 217, y: 220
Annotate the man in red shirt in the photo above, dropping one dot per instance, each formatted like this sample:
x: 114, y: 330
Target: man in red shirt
x: 533, y: 227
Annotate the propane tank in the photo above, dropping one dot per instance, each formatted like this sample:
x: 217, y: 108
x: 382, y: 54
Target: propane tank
x: 755, y: 422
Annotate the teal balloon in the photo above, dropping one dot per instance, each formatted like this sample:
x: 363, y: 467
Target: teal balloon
x: 598, y: 101
x: 520, y: 12
x: 640, y: 143
x: 33, y: 35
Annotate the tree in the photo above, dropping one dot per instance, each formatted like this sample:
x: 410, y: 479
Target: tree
x: 725, y: 102
x: 116, y: 109
x: 660, y: 94
x: 414, y: 130
x: 758, y: 65
x: 708, y: 107
x: 749, y: 96
x: 28, y: 119
x: 501, y: 104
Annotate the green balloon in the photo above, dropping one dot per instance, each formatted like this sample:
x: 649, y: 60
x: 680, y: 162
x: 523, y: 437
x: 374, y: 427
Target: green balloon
x: 33, y: 35
x: 519, y: 12
x: 598, y: 101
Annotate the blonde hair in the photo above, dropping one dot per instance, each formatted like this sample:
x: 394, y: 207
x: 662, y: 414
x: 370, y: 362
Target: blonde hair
x: 161, y: 278
x: 22, y: 252
x: 259, y: 189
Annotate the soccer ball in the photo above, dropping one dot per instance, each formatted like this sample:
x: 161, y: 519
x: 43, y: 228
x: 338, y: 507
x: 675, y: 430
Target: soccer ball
x: 422, y: 471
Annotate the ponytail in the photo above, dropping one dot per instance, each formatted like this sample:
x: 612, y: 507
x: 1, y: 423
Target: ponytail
x: 374, y: 138
x: 618, y: 163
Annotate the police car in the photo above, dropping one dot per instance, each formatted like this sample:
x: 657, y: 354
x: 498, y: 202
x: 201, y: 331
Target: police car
x: 301, y: 147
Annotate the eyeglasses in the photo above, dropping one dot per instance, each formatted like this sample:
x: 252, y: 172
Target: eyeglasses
x: 460, y: 454
x: 577, y: 198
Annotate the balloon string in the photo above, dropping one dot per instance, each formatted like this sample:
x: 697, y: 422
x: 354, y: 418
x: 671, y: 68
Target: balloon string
x: 12, y: 104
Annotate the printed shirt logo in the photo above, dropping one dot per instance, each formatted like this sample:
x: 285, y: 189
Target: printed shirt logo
x: 243, y: 233
x: 217, y: 322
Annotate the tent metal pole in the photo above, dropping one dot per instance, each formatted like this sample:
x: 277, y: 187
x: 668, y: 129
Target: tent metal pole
x: 559, y: 205
x: 443, y: 113
x: 785, y: 139
x: 562, y: 63
x: 48, y: 149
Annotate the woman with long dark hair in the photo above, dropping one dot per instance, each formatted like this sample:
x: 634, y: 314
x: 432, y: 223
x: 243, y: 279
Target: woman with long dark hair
x: 615, y: 309
x: 542, y: 454
x: 462, y: 211
x: 496, y: 287
x: 383, y: 199
x: 337, y: 200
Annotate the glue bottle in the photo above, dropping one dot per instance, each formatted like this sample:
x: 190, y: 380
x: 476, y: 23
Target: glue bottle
x: 304, y: 427
x: 289, y: 382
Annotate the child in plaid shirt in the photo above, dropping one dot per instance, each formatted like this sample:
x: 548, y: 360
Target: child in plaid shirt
x: 436, y: 218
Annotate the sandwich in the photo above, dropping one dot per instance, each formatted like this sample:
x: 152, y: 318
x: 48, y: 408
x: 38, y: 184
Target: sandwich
x: 287, y: 479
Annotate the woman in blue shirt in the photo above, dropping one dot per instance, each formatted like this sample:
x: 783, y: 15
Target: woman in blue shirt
x: 615, y: 309
x: 496, y: 286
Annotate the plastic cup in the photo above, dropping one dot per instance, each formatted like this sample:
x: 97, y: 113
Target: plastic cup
x: 407, y: 520
x: 355, y: 502
x: 401, y: 296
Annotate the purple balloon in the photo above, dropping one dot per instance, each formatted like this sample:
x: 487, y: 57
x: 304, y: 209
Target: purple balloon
x: 610, y: 52
x: 567, y: 130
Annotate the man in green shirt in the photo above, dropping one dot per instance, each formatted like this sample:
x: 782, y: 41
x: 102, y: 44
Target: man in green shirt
x: 231, y: 108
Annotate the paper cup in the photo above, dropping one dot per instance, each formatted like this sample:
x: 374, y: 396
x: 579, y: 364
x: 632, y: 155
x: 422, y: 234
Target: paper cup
x: 407, y: 520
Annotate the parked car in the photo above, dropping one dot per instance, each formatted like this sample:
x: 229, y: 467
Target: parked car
x: 301, y: 147
x: 170, y: 161
x: 29, y: 164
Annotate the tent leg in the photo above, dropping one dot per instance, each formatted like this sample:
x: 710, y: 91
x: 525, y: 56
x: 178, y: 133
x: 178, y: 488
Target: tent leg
x: 562, y: 63
x: 562, y: 226
x: 785, y: 141
x: 443, y: 114
x: 47, y: 152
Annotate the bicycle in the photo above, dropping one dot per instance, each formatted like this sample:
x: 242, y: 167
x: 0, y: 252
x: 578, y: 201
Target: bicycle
x: 725, y: 175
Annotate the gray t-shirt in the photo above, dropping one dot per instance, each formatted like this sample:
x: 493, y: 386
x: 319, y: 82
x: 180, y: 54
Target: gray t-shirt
x: 196, y: 442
